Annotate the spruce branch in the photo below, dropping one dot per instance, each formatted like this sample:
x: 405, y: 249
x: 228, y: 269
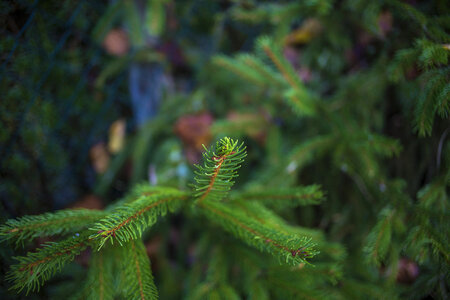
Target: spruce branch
x: 284, y: 281
x: 250, y: 68
x: 128, y: 221
x: 435, y: 193
x: 138, y: 275
x: 433, y: 99
x: 266, y: 216
x: 216, y: 283
x: 100, y: 277
x: 379, y: 239
x: 435, y: 234
x: 274, y: 53
x: 139, y: 190
x: 37, y: 267
x: 382, y: 145
x: 249, y: 125
x: 239, y: 69
x: 289, y: 248
x: 298, y: 97
x: 61, y: 222
x: 286, y: 197
x: 254, y: 63
x: 215, y: 178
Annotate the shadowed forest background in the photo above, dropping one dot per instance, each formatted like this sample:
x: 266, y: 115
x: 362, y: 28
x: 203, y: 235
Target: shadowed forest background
x: 349, y: 97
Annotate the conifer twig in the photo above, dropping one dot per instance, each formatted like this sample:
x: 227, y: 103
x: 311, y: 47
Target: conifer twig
x: 37, y: 267
x: 138, y: 276
x: 129, y: 220
x: 60, y: 222
x: 215, y: 178
x: 286, y: 197
x: 292, y: 249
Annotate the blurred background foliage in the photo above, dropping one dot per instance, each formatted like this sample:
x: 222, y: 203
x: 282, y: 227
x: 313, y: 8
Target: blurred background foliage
x: 97, y: 96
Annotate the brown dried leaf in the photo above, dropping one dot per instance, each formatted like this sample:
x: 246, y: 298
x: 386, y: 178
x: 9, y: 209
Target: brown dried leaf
x: 116, y: 42
x: 89, y: 202
x: 99, y: 157
x: 117, y: 136
x: 194, y: 130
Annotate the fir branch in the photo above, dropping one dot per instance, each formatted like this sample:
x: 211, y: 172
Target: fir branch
x: 286, y: 197
x: 100, y: 279
x: 129, y: 220
x: 434, y: 194
x: 435, y: 234
x: 286, y: 69
x: 239, y: 69
x: 215, y: 178
x: 37, y: 267
x: 60, y: 222
x: 218, y: 266
x: 249, y: 125
x: 300, y: 102
x: 443, y: 101
x: 404, y: 59
x: 139, y: 190
x: 138, y: 276
x: 432, y: 54
x: 217, y: 275
x: 264, y: 215
x: 259, y: 66
x: 288, y: 248
x: 430, y: 100
x: 298, y: 97
x: 380, y: 144
x: 379, y: 239
x: 284, y: 281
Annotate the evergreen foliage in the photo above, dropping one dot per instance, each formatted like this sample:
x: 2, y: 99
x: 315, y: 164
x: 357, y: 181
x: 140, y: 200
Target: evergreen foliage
x: 100, y: 278
x: 294, y: 250
x: 215, y: 178
x: 61, y: 222
x: 137, y: 273
x: 33, y: 270
x: 285, y: 198
x: 344, y: 100
x: 127, y: 220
